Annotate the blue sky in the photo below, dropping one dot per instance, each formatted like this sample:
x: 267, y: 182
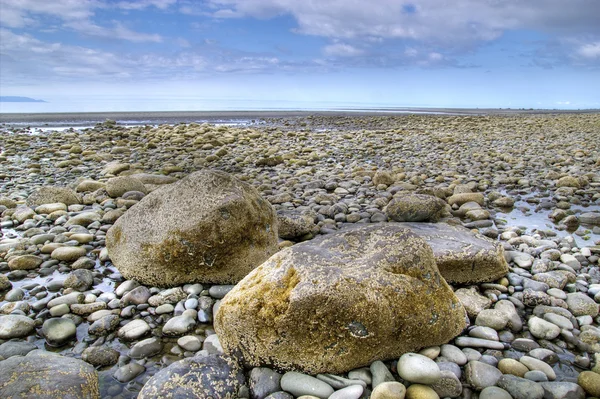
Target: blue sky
x: 183, y: 54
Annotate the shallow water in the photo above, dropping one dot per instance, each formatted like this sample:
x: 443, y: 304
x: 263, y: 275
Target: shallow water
x: 535, y: 219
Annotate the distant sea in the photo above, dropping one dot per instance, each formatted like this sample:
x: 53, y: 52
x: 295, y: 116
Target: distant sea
x: 112, y: 104
x: 67, y: 112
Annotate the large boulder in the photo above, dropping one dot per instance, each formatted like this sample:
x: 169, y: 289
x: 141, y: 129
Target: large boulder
x: 339, y: 302
x: 207, y: 377
x: 52, y: 195
x: 415, y: 208
x: 44, y: 375
x: 462, y: 257
x: 208, y: 227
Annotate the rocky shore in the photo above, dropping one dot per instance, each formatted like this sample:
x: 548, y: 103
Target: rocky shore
x: 415, y: 256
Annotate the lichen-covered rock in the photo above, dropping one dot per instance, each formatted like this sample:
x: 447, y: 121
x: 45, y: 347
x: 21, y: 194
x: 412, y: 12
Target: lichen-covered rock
x: 47, y: 376
x: 462, y: 256
x: 51, y: 195
x: 293, y: 225
x: 207, y: 377
x: 208, y: 227
x: 415, y: 208
x: 339, y: 302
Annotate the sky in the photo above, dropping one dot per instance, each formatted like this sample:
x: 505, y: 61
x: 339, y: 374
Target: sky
x: 126, y: 55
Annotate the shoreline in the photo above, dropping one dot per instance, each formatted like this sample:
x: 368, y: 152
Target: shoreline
x: 152, y: 117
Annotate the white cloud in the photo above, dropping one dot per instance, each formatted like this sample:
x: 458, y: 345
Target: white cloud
x: 117, y: 31
x: 141, y: 4
x: 19, y: 13
x: 341, y: 50
x: 76, y: 15
x: 452, y: 24
x: 590, y: 50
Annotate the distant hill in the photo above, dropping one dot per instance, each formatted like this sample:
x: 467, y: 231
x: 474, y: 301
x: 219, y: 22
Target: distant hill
x: 17, y: 99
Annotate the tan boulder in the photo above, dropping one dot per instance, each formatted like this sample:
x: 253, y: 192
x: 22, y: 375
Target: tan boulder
x: 415, y: 208
x: 462, y: 256
x: 208, y: 227
x: 52, y: 195
x: 339, y: 302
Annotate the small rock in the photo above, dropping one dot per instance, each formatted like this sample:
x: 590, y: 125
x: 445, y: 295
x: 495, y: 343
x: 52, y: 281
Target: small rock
x: 299, y: 384
x: 590, y: 382
x: 59, y: 331
x: 389, y: 390
x: 418, y: 369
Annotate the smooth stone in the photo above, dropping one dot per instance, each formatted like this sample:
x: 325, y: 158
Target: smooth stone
x: 521, y: 388
x: 389, y: 390
x: 536, y: 375
x: 165, y: 308
x: 299, y: 384
x: 478, y: 343
x: 15, y: 348
x: 494, y: 393
x: 590, y: 382
x: 146, y: 348
x: 179, y: 325
x: 125, y: 287
x: 137, y: 296
x: 69, y: 299
x: 59, y: 310
x: 68, y: 254
x: 129, y: 372
x: 15, y: 326
x: 543, y: 329
x: 484, y: 333
x: 280, y: 395
x: 59, y: 331
x: 512, y: 366
x: 338, y: 382
x: 380, y: 373
x: 25, y: 262
x: 562, y: 390
x: 14, y: 295
x: 536, y: 364
x: 418, y: 369
x: 362, y: 374
x: 418, y: 391
x: 524, y: 344
x: 481, y: 375
x: 190, y: 343
x: 544, y: 354
x: 351, y: 392
x: 219, y: 291
x: 134, y: 330
x: 263, y: 382
x: 559, y: 320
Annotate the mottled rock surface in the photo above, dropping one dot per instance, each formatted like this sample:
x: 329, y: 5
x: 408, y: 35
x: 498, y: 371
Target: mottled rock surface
x: 207, y: 377
x: 47, y: 376
x: 207, y: 227
x: 461, y: 255
x: 340, y: 302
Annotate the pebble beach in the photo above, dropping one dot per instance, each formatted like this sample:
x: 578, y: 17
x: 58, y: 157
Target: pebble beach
x: 303, y: 256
